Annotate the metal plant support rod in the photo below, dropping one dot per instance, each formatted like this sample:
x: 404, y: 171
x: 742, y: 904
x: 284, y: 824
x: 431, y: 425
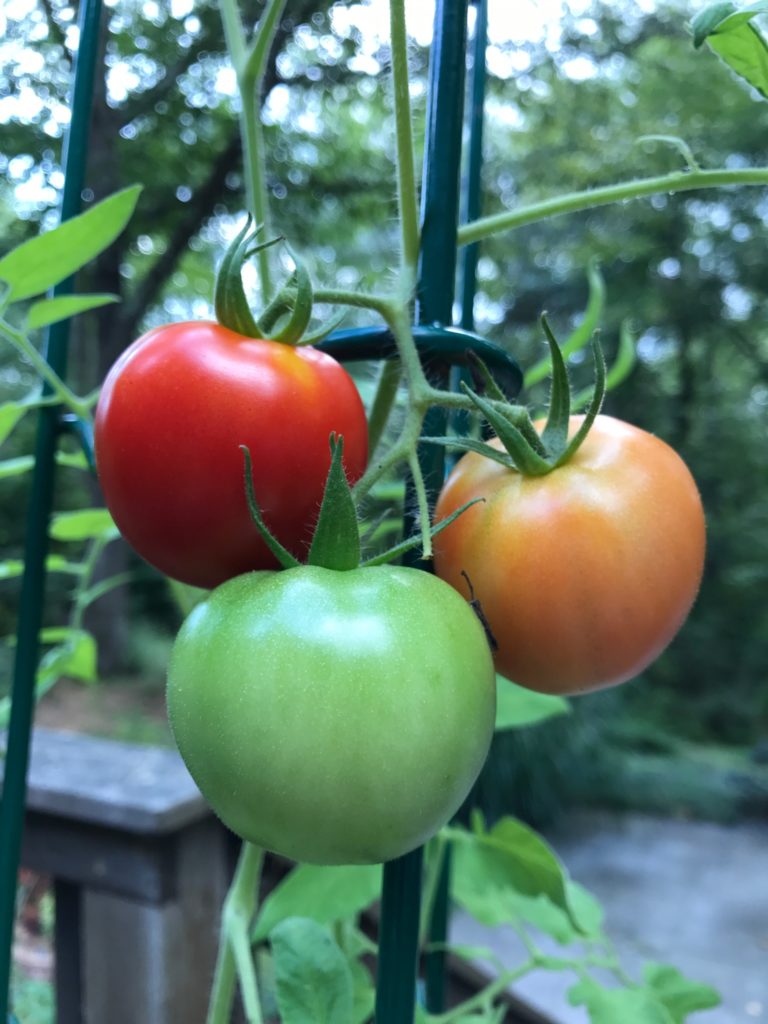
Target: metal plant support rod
x: 401, y: 893
x: 36, y: 542
x: 439, y: 924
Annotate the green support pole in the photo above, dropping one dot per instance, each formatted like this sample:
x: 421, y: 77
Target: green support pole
x: 36, y: 542
x: 439, y: 924
x: 401, y: 893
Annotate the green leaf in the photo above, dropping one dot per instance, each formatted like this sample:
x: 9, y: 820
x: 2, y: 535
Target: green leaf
x: 50, y: 311
x: 324, y: 894
x: 679, y: 994
x: 37, y: 265
x: 586, y: 909
x: 78, y: 653
x: 15, y: 467
x: 607, y: 1006
x: 74, y: 657
x: 733, y: 37
x: 84, y: 525
x: 312, y: 975
x: 595, y: 405
x: 509, y: 859
x: 470, y: 953
x: 517, y: 706
x: 10, y: 414
x: 363, y: 992
x: 13, y: 567
x: 336, y: 540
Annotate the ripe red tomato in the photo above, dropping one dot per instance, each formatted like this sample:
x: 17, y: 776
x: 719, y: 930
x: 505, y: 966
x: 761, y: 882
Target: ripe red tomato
x: 586, y: 574
x: 172, y: 414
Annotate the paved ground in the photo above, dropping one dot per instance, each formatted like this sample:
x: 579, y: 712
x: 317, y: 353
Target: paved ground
x: 691, y: 894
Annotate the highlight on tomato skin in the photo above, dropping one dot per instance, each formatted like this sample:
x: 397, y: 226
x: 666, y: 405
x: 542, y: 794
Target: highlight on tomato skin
x: 585, y: 574
x: 172, y: 416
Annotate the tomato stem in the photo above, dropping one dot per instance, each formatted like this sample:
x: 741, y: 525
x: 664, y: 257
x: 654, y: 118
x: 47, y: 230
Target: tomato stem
x: 383, y: 400
x: 234, y: 960
x: 406, y: 178
x: 79, y: 406
x: 249, y: 62
x: 588, y: 199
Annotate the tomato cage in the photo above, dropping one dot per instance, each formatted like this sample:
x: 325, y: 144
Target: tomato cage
x: 444, y: 349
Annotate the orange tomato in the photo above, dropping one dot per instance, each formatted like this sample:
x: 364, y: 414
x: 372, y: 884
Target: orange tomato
x: 586, y: 574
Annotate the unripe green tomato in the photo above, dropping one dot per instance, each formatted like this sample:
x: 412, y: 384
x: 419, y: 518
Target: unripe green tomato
x: 333, y: 717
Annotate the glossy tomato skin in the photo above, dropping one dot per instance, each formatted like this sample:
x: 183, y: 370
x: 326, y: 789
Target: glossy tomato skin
x: 333, y: 717
x: 586, y: 574
x: 171, y: 416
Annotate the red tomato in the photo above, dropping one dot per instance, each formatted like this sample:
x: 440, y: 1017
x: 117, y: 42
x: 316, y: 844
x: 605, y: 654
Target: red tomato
x: 586, y: 574
x: 172, y: 414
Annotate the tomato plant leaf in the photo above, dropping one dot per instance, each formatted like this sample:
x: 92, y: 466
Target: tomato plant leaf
x: 38, y: 264
x: 10, y: 414
x: 336, y: 540
x: 679, y: 994
x: 508, y: 859
x: 606, y: 1006
x: 15, y: 467
x: 324, y: 894
x: 50, y: 311
x: 312, y: 975
x: 730, y: 33
x: 517, y: 706
x: 11, y: 568
x: 85, y: 524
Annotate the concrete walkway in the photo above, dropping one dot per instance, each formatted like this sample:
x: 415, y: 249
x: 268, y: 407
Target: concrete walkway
x: 691, y: 894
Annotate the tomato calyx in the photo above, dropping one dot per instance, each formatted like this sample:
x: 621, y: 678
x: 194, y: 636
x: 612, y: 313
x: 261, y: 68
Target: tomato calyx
x: 287, y: 316
x: 524, y: 449
x: 336, y: 542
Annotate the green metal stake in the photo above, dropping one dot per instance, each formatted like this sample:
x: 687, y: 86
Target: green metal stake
x: 401, y: 893
x: 439, y: 924
x: 36, y: 543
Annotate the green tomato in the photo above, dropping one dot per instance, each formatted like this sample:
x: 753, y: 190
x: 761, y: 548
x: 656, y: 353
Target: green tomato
x: 333, y: 717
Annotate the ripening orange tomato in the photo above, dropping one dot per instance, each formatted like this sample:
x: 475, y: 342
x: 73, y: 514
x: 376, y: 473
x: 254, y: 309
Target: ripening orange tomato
x: 585, y: 574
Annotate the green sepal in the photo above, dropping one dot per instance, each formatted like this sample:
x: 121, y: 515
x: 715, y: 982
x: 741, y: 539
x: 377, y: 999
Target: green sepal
x: 622, y: 366
x: 581, y: 335
x: 469, y: 444
x: 230, y: 303
x: 555, y: 432
x: 482, y: 375
x: 336, y: 541
x: 322, y: 332
x: 300, y: 309
x: 411, y: 542
x: 594, y: 406
x: 284, y: 557
x: 521, y: 441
